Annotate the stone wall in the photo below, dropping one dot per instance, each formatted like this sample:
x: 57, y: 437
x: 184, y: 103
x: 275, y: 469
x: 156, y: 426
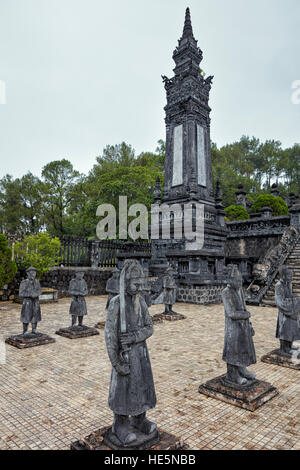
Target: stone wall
x: 205, y: 294
x: 254, y: 246
x: 59, y: 278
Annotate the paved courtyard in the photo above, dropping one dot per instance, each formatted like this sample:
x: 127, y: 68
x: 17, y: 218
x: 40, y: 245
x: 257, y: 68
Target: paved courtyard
x: 52, y: 395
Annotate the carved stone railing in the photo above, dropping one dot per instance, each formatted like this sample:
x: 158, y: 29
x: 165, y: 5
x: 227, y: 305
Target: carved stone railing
x: 258, y: 226
x: 266, y: 270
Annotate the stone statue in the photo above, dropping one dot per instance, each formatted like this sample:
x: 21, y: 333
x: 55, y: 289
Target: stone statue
x: 239, y: 351
x: 78, y: 290
x: 288, y: 325
x: 112, y: 285
x: 168, y: 294
x: 30, y: 290
x: 127, y: 327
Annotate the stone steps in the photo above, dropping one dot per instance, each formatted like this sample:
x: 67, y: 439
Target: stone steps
x: 293, y: 262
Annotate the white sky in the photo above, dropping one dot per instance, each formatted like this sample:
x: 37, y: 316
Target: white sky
x: 81, y: 74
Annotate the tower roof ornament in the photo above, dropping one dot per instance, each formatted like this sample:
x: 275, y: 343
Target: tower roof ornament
x: 188, y: 29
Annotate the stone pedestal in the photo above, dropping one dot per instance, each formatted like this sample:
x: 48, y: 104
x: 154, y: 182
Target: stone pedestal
x: 103, y: 439
x: 77, y: 332
x: 157, y: 318
x: 29, y: 341
x: 278, y: 359
x: 249, y: 397
x: 172, y: 316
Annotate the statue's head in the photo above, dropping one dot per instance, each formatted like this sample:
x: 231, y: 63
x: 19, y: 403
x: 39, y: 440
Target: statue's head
x: 170, y: 271
x: 115, y: 273
x: 31, y: 273
x: 235, y: 279
x: 79, y: 275
x: 132, y: 278
x: 286, y: 274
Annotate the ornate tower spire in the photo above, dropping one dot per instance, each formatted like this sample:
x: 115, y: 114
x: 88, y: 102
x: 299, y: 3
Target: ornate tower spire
x: 188, y: 29
x: 187, y: 55
x: 188, y: 161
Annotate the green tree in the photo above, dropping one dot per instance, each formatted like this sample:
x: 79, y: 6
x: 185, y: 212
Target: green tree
x: 40, y: 251
x: 236, y: 213
x: 60, y: 191
x: 8, y: 268
x: 277, y: 204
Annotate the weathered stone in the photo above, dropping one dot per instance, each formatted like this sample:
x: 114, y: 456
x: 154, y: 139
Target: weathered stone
x: 29, y: 340
x: 77, y: 332
x: 249, y: 397
x: 277, y: 358
x: 103, y: 439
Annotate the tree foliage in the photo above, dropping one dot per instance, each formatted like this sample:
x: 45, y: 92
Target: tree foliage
x: 8, y: 268
x: 236, y: 213
x: 38, y: 250
x: 277, y: 204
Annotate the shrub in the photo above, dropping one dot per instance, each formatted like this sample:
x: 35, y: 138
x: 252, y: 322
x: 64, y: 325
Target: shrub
x: 276, y: 203
x: 236, y: 213
x: 40, y: 251
x: 8, y: 268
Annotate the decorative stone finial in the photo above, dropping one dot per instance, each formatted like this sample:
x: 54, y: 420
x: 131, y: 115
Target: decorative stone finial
x: 188, y: 29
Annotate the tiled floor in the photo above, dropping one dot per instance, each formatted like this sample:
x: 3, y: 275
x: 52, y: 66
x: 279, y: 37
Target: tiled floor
x: 54, y: 394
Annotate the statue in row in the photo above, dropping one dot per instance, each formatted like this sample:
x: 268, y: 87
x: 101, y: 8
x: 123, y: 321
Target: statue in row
x: 288, y: 323
x: 132, y: 391
x: 239, y: 351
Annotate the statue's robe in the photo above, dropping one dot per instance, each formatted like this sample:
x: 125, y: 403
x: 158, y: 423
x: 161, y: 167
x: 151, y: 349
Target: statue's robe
x: 30, y: 292
x: 288, y: 328
x: 78, y: 290
x: 168, y: 294
x: 238, y: 345
x: 133, y: 394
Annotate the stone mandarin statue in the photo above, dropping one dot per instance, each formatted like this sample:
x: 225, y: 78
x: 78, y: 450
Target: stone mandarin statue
x: 288, y: 325
x: 128, y: 325
x: 112, y: 285
x: 30, y: 290
x: 78, y: 290
x: 168, y: 294
x: 239, y: 351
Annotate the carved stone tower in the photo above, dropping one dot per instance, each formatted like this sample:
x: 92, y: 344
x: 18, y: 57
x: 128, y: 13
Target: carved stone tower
x: 188, y: 176
x: 188, y: 160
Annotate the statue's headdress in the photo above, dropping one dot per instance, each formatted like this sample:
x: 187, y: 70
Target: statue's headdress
x: 233, y: 272
x: 131, y: 270
x: 283, y: 270
x: 30, y: 269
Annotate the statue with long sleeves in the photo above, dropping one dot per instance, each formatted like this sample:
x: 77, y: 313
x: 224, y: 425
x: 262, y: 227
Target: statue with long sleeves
x: 288, y: 325
x: 239, y: 351
x: 168, y: 293
x: 78, y: 290
x: 29, y: 291
x: 127, y: 328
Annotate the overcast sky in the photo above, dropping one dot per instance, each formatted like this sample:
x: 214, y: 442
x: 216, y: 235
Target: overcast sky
x: 81, y: 74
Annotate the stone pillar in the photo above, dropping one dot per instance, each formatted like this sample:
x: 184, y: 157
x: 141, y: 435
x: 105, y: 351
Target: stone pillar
x: 241, y: 199
x: 295, y: 215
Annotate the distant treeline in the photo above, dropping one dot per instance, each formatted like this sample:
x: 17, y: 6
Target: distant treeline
x: 64, y: 202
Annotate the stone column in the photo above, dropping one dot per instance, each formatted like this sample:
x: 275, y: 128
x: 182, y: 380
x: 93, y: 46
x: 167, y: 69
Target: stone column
x: 295, y: 215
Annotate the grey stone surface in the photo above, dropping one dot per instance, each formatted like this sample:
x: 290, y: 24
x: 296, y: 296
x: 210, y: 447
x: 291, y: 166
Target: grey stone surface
x: 78, y: 290
x: 128, y: 325
x: 288, y: 323
x: 30, y: 290
x: 239, y: 351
